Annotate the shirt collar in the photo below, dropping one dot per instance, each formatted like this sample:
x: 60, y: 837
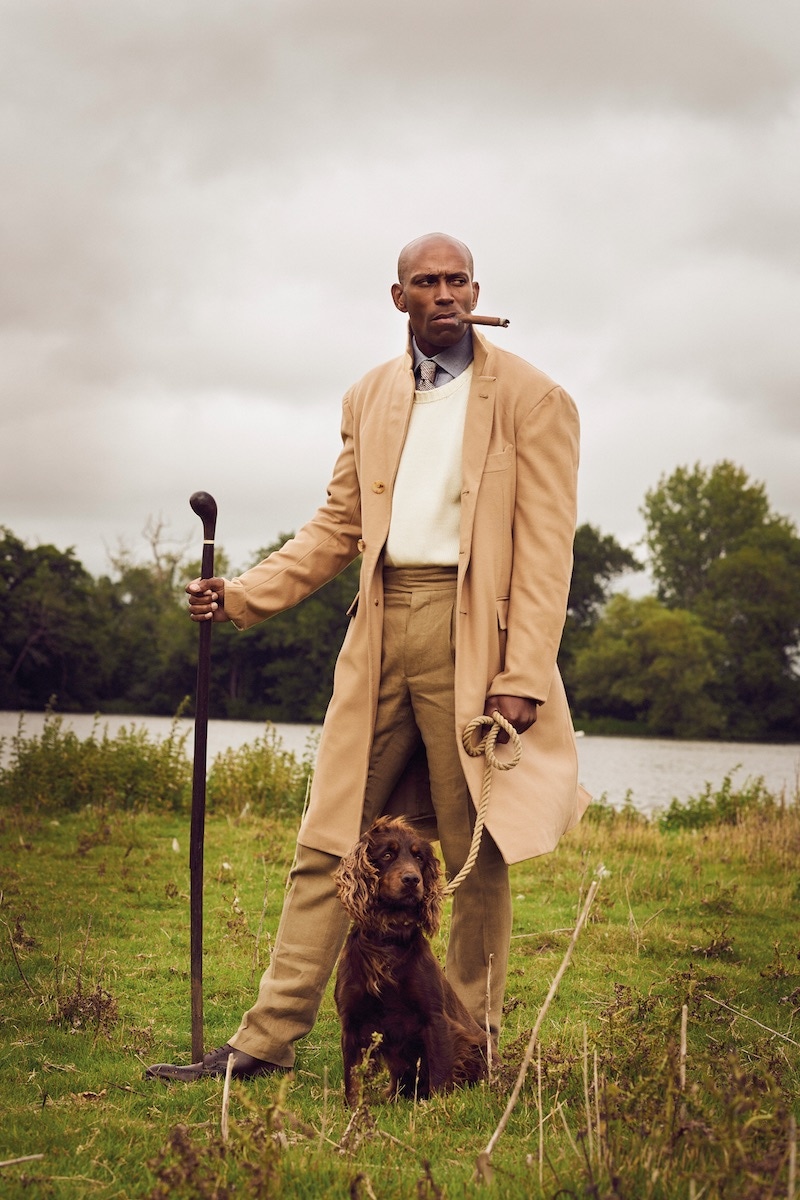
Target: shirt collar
x: 451, y: 361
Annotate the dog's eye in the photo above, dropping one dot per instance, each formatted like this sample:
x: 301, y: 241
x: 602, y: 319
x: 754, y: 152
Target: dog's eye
x: 387, y: 856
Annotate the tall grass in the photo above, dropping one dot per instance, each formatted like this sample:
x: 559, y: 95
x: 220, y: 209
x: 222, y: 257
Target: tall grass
x: 668, y: 1064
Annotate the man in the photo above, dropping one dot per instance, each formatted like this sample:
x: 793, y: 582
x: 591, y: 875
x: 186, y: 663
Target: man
x: 456, y: 483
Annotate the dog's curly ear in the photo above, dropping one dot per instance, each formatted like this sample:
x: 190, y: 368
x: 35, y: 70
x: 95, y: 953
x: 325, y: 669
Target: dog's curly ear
x: 356, y: 880
x: 431, y: 913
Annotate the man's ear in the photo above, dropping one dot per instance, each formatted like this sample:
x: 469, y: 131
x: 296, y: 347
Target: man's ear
x: 398, y: 297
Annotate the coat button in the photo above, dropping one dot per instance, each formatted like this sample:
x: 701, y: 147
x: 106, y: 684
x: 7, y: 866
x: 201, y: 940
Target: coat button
x: 378, y: 487
x: 361, y: 544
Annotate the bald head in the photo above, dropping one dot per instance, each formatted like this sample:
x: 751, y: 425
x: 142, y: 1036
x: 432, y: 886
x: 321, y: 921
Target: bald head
x: 434, y: 289
x: 430, y: 242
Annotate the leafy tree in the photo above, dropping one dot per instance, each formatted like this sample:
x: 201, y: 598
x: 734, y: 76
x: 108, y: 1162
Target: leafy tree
x: 651, y: 664
x: 124, y: 641
x: 148, y: 643
x: 752, y: 598
x: 598, y: 560
x: 718, y: 550
x: 695, y: 517
x: 46, y: 640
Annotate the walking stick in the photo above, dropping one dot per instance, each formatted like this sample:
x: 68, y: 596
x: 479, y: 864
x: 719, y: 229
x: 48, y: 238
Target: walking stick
x: 206, y: 508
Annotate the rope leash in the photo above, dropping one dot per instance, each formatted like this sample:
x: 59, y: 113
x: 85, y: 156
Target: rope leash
x: 486, y: 746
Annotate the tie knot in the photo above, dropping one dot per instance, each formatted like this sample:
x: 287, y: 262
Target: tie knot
x: 427, y: 373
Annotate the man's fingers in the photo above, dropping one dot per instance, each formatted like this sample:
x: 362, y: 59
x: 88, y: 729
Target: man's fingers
x: 199, y: 587
x: 206, y: 599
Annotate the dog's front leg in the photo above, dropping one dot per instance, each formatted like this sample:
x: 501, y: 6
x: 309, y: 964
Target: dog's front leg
x: 358, y: 1048
x: 352, y: 1059
x: 437, y: 1040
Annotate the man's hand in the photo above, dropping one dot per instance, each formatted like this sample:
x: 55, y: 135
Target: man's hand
x: 519, y: 711
x: 207, y: 600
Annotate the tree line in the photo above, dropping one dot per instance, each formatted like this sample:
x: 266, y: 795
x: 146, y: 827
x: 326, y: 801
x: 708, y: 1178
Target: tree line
x: 712, y: 652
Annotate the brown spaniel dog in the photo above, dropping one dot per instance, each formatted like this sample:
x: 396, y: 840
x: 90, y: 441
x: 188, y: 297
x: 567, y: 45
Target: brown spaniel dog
x: 388, y: 981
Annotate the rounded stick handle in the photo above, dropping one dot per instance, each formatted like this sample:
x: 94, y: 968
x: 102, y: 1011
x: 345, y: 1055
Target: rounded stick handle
x: 205, y: 506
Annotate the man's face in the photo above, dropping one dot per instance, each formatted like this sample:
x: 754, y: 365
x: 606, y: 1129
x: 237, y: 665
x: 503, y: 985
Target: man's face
x: 435, y: 288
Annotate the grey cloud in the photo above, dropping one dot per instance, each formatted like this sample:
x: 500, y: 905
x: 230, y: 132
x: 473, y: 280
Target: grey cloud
x: 203, y: 203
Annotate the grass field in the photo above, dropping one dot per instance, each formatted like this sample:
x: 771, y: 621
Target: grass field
x: 700, y: 918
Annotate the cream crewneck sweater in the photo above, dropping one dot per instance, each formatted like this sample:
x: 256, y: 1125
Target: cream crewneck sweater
x: 426, y: 506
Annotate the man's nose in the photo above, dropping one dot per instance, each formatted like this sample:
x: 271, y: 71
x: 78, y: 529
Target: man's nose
x: 443, y: 293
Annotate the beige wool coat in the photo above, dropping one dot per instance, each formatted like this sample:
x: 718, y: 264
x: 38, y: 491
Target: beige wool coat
x: 519, y: 468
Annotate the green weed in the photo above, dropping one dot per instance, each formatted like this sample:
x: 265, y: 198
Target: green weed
x: 723, y: 805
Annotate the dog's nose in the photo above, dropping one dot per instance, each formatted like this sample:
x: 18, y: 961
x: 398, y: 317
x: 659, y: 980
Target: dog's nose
x: 411, y: 878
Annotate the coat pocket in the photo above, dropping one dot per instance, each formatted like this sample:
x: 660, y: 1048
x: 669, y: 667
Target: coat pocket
x: 499, y: 462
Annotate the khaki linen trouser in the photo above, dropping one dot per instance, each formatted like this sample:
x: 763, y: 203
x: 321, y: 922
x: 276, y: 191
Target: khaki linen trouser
x: 416, y: 701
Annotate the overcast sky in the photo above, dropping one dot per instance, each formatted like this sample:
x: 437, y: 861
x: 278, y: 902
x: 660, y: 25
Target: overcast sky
x: 202, y: 205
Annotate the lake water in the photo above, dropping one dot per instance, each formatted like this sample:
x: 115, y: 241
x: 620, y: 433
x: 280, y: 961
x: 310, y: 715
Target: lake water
x: 653, y: 771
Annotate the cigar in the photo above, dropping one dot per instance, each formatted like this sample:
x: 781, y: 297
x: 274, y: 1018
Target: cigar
x: 474, y: 319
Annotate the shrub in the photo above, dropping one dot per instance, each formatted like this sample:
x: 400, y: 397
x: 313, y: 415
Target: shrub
x: 58, y: 771
x: 261, y: 777
x: 602, y: 812
x: 726, y: 805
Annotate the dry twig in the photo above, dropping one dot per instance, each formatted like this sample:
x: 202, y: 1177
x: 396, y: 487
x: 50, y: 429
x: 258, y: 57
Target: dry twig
x: 12, y: 1162
x: 226, y: 1098
x: 737, y: 1012
x: 19, y: 968
x: 684, y: 1021
x: 483, y: 1164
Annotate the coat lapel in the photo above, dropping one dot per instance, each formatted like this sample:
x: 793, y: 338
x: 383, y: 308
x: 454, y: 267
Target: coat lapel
x: 477, y: 432
x: 381, y: 447
x: 398, y: 415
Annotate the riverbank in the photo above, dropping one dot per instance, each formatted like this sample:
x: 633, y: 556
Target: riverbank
x: 651, y: 772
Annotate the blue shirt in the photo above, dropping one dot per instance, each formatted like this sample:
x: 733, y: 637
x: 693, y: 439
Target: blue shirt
x: 450, y: 362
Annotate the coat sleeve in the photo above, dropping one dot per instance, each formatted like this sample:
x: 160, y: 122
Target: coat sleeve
x: 543, y: 530
x: 322, y: 548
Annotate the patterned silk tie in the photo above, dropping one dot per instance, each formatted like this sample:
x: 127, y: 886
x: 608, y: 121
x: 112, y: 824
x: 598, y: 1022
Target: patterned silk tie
x: 427, y: 373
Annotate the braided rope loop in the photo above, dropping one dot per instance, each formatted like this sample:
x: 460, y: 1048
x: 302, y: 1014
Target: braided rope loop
x: 486, y: 746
